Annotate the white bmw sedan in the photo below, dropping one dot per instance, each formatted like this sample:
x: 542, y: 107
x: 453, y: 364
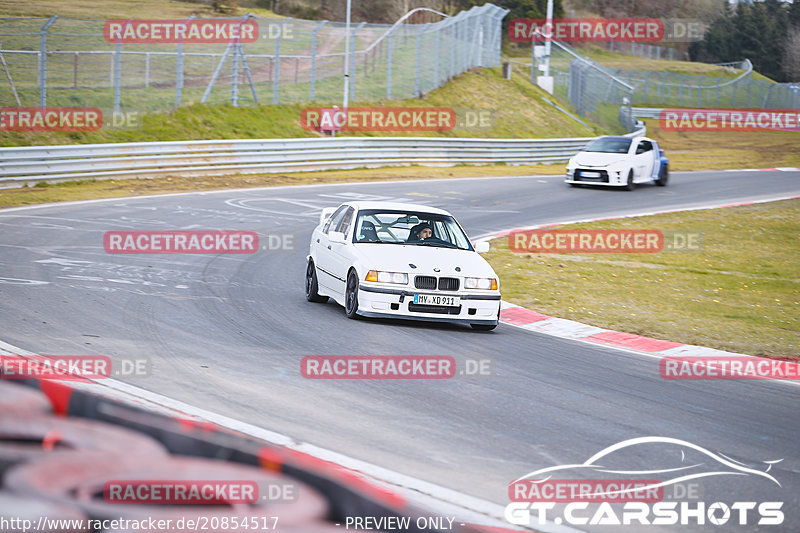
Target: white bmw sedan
x: 381, y: 259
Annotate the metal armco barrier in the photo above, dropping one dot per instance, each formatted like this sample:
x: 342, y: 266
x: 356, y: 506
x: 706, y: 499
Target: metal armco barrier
x: 20, y: 166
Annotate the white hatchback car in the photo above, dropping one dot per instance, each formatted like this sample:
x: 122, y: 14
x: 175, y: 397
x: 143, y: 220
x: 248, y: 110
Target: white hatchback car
x: 619, y: 162
x: 381, y: 259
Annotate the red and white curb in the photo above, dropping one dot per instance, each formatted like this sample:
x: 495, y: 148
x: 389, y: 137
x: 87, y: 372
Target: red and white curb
x: 779, y: 169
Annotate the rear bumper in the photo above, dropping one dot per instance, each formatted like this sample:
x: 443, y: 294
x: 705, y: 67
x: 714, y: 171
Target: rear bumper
x: 394, y: 303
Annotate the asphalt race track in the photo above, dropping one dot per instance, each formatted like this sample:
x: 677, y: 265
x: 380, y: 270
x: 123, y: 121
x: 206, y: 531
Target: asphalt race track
x: 227, y: 332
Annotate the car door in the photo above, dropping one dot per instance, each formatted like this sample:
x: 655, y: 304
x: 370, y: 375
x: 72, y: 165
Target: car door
x: 341, y: 254
x: 644, y: 160
x: 323, y: 248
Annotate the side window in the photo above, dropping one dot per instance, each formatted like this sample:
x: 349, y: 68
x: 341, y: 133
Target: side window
x: 334, y: 219
x: 346, y: 222
x: 644, y: 146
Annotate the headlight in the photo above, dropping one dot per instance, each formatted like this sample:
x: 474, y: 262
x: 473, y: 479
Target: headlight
x: 381, y: 276
x: 487, y: 284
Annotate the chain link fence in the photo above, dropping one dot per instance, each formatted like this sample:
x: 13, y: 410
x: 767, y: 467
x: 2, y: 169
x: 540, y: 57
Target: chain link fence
x: 606, y: 95
x: 69, y: 62
x: 669, y: 89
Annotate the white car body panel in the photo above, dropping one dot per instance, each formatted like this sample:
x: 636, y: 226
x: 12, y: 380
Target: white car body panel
x: 645, y: 166
x: 333, y: 261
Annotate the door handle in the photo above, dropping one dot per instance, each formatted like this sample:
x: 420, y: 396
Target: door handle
x: 329, y: 247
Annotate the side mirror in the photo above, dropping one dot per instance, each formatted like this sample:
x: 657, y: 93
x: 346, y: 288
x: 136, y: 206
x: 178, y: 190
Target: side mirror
x: 482, y: 247
x: 326, y: 212
x: 336, y: 237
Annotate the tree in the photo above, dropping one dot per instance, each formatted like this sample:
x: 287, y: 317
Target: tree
x: 754, y: 31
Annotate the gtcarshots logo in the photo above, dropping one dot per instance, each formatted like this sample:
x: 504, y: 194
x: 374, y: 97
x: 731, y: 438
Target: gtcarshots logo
x: 181, y: 31
x: 641, y: 494
x: 180, y: 242
x: 50, y: 119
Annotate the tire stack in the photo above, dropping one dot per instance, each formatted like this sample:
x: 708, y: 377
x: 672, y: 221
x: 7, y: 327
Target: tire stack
x: 58, y: 468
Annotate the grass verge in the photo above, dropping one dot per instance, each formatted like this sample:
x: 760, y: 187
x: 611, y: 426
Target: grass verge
x: 738, y: 292
x: 726, y: 150
x: 92, y: 189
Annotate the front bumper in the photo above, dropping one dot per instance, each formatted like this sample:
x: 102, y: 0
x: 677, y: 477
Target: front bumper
x: 475, y: 308
x: 611, y: 177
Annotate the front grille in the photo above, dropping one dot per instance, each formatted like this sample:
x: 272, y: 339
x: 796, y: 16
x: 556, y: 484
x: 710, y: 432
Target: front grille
x: 448, y: 284
x: 427, y: 283
x: 437, y: 309
x: 603, y: 178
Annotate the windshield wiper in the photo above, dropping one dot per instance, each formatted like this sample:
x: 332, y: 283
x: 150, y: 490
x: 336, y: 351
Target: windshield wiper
x: 443, y: 244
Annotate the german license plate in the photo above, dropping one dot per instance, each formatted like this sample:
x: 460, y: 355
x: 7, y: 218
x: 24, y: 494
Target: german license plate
x: 590, y: 174
x: 436, y: 299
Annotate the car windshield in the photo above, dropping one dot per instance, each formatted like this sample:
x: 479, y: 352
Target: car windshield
x: 406, y: 227
x: 609, y: 145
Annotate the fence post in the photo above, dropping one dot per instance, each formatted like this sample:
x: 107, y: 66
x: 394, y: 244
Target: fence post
x: 179, y: 71
x: 276, y: 67
x: 313, y: 89
x: 117, y: 76
x: 453, y: 46
x: 353, y: 68
x: 235, y: 76
x: 418, y: 66
x: 43, y: 61
x: 436, y: 59
x: 389, y: 53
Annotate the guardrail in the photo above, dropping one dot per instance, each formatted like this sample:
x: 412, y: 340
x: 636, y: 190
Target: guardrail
x: 20, y: 166
x: 646, y: 112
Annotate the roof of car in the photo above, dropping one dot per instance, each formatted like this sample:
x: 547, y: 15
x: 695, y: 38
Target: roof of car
x: 396, y: 206
x: 616, y: 137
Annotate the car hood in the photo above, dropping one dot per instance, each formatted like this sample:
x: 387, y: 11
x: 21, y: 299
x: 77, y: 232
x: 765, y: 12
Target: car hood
x: 427, y: 259
x: 597, y: 159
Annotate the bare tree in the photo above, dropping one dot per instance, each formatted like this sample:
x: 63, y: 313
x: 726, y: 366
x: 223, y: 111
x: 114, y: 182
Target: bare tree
x: 791, y: 54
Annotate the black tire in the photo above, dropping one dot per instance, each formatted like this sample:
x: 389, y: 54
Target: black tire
x: 663, y: 176
x: 630, y: 185
x: 351, y: 296
x: 483, y: 327
x: 312, y: 286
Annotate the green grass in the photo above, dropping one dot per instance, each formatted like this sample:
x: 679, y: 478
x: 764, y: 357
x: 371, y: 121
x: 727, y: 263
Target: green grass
x: 516, y: 111
x: 737, y: 292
